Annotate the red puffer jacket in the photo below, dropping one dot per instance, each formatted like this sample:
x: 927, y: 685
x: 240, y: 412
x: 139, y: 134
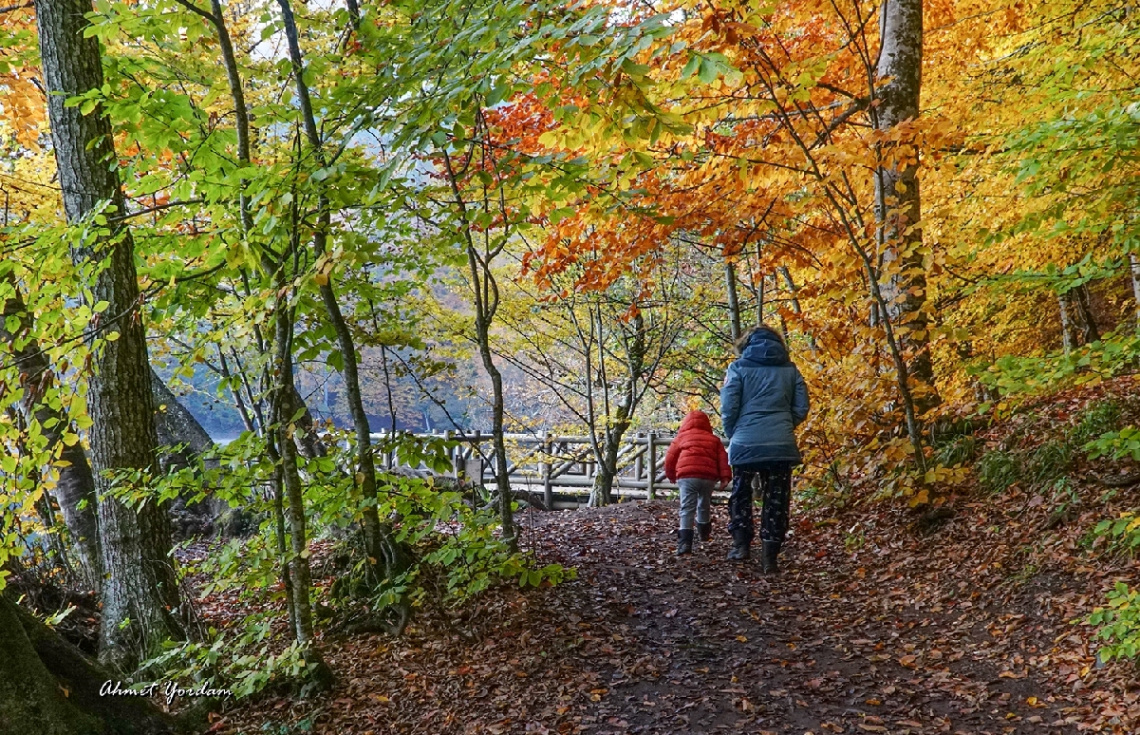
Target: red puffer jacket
x: 697, y: 452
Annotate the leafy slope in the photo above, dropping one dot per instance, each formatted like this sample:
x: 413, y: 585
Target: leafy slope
x: 879, y: 624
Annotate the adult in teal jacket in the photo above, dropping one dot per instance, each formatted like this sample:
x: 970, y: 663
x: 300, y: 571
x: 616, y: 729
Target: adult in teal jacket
x: 763, y: 399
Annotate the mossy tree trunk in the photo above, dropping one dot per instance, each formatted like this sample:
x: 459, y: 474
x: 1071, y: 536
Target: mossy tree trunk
x: 47, y: 687
x: 141, y: 600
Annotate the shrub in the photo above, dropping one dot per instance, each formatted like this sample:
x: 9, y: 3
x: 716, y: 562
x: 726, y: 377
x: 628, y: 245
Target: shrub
x: 1096, y: 420
x: 1120, y: 621
x: 1123, y: 533
x: 1116, y: 444
x: 243, y: 662
x: 454, y: 554
x: 1119, y: 624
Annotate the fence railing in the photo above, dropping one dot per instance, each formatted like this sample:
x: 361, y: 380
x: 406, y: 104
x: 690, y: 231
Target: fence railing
x: 555, y: 464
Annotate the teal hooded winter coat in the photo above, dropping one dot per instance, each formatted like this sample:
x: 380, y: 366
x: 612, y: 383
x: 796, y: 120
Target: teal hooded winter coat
x: 763, y: 399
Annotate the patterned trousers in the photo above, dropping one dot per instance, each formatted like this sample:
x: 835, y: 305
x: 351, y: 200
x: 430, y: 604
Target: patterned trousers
x: 776, y: 492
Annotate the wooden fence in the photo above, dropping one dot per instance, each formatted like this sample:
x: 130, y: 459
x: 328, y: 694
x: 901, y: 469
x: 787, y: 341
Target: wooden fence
x: 560, y: 465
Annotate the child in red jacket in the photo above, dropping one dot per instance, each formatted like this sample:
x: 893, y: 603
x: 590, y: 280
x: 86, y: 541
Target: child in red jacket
x: 696, y: 461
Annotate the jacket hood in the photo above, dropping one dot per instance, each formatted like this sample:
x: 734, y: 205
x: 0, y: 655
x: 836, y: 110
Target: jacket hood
x: 765, y: 348
x: 697, y: 420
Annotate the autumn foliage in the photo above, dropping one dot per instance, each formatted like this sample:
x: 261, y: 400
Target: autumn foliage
x: 555, y: 217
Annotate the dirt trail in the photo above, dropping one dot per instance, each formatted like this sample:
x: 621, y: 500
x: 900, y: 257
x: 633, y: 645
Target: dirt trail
x: 882, y: 632
x: 717, y: 646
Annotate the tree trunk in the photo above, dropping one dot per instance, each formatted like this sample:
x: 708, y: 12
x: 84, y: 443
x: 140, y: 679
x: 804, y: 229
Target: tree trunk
x: 385, y: 553
x: 797, y: 308
x: 502, y: 476
x: 354, y: 13
x: 485, y: 293
x: 378, y: 541
x: 1087, y: 321
x: 241, y: 110
x: 235, y: 392
x: 48, y: 687
x: 299, y: 571
x: 75, y: 487
x: 1068, y: 328
x: 140, y: 593
x: 602, y: 493
x: 279, y: 525
x: 1078, y: 327
x: 175, y: 425
x: 733, y: 299
x: 910, y: 408
x: 898, y: 205
x: 760, y: 300
x: 308, y: 443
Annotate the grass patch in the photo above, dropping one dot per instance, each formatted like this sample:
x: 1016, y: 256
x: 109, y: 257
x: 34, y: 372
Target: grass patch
x: 1050, y: 461
x: 1099, y: 418
x: 959, y: 451
x: 999, y: 469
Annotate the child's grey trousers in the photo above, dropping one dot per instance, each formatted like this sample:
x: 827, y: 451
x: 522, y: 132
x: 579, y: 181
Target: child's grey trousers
x: 696, y: 499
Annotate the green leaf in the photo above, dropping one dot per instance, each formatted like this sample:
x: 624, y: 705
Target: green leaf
x: 498, y: 94
x: 692, y: 66
x: 707, y: 71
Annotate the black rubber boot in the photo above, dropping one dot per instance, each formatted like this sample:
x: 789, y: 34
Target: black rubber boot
x: 768, y: 563
x: 704, y: 531
x: 685, y: 541
x: 741, y: 547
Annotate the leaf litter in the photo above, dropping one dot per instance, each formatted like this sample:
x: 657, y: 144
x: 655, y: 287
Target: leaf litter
x: 906, y: 634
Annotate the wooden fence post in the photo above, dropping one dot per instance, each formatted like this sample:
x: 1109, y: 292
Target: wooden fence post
x: 547, y: 483
x: 477, y: 448
x: 473, y: 476
x: 591, y: 469
x: 639, y: 461
x: 650, y: 487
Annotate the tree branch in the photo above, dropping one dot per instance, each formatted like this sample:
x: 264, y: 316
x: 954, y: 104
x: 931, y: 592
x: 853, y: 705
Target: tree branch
x: 198, y: 11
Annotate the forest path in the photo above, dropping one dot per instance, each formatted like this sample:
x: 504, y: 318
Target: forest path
x: 708, y: 645
x: 889, y: 632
